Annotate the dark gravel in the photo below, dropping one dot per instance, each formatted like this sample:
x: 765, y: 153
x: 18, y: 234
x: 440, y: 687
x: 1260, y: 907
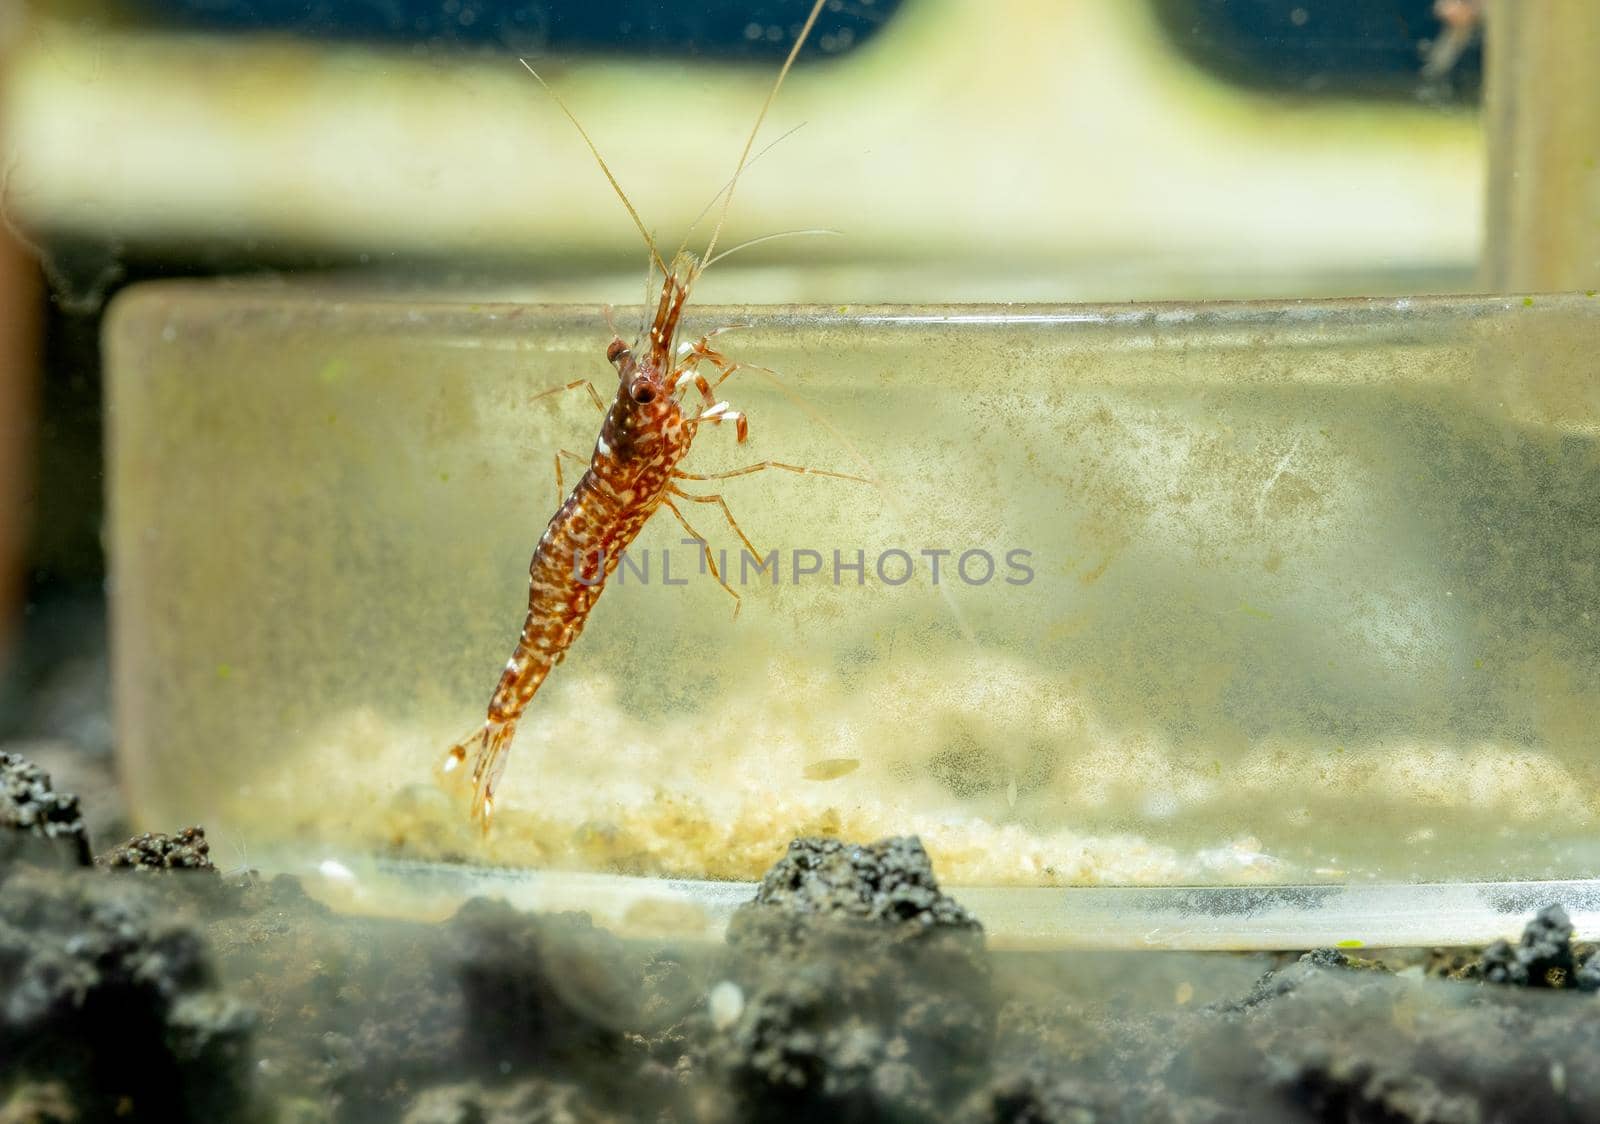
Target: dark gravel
x: 107, y: 994
x: 863, y: 990
x: 38, y: 824
x: 851, y: 988
x: 1544, y: 957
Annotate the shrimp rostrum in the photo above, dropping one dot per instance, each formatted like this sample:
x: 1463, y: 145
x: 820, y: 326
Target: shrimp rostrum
x: 632, y: 473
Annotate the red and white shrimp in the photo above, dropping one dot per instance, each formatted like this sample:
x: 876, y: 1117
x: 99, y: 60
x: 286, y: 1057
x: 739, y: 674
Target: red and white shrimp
x: 632, y: 473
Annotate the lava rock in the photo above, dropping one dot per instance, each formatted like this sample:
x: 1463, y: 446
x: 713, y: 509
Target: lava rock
x: 37, y: 824
x: 540, y: 986
x: 1283, y: 981
x: 109, y: 992
x: 1368, y: 1046
x: 90, y: 776
x: 1588, y: 975
x: 29, y: 1102
x: 856, y: 990
x: 187, y: 850
x: 355, y: 1014
x: 1542, y: 958
x: 888, y: 881
x: 370, y: 1018
x: 554, y: 998
x: 530, y: 1101
x: 1336, y: 1084
x: 1033, y: 1096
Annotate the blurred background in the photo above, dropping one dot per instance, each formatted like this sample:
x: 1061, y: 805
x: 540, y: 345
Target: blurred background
x: 964, y: 151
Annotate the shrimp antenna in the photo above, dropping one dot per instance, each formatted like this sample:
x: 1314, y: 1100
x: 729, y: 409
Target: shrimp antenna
x: 744, y: 157
x: 712, y: 202
x: 649, y: 276
x: 709, y: 262
x: 601, y: 160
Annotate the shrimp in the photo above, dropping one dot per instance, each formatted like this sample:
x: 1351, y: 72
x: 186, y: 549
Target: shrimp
x: 632, y: 473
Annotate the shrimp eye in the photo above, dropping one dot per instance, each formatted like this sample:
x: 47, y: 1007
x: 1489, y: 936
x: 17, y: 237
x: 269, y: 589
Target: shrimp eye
x: 616, y: 351
x: 642, y: 392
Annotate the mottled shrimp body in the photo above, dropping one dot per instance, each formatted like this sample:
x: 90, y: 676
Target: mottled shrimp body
x: 632, y: 473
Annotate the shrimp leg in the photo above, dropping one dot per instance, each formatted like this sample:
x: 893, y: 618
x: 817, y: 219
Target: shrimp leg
x: 738, y: 602
x: 561, y: 486
x: 763, y: 466
x: 723, y: 504
x: 594, y: 395
x: 700, y: 350
x: 717, y: 412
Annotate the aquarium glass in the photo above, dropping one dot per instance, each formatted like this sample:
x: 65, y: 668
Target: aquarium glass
x: 1263, y: 592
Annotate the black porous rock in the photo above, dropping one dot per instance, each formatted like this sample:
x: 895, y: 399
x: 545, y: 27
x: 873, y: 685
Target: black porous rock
x: 108, y: 992
x: 540, y: 987
x: 856, y: 990
x: 355, y: 1012
x: 1034, y: 1096
x: 38, y: 825
x: 1281, y: 981
x: 532, y: 1100
x: 555, y: 998
x: 888, y: 881
x: 36, y: 1102
x: 1588, y: 977
x: 1542, y: 958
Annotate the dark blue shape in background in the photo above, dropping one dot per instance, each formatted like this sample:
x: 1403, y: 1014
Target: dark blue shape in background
x: 1371, y: 48
x: 739, y: 29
